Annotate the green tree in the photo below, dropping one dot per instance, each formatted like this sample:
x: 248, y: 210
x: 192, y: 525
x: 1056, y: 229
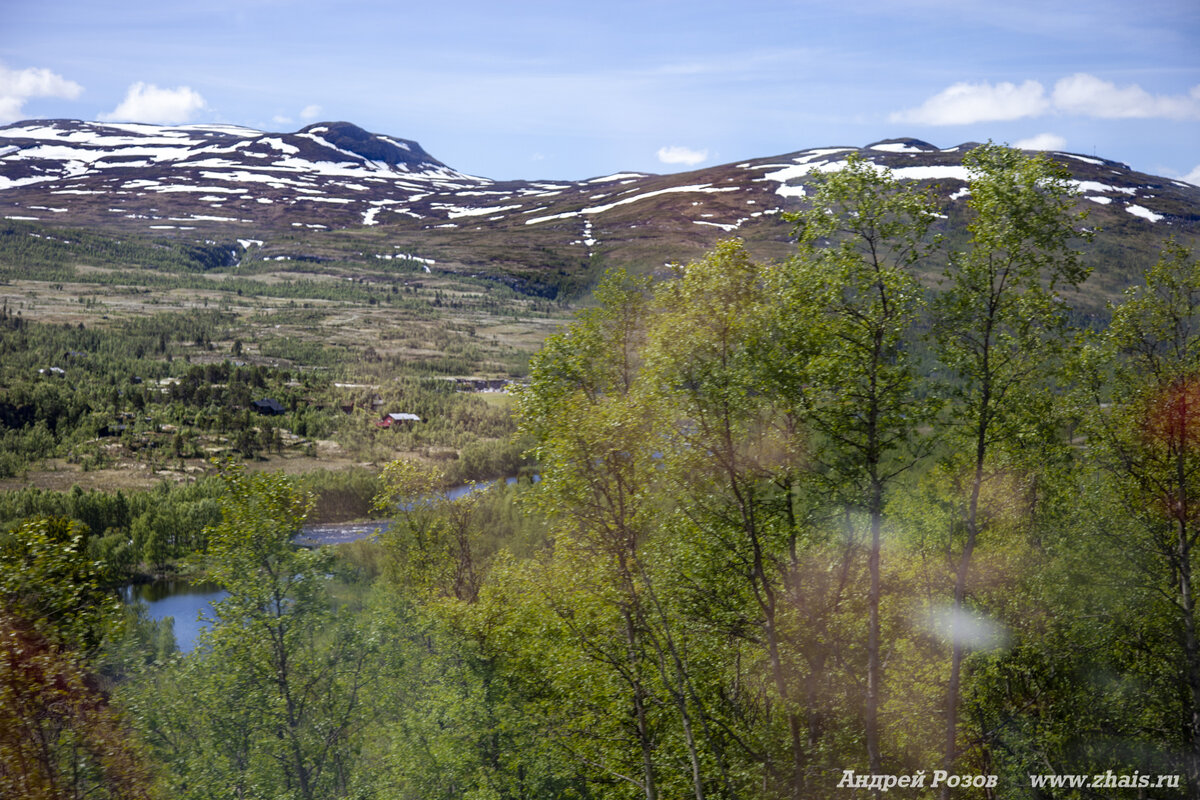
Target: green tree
x: 1000, y: 331
x: 1147, y: 365
x: 274, y: 702
x: 731, y: 453
x: 595, y: 449
x: 465, y: 726
x: 860, y: 243
x: 48, y: 580
x: 433, y: 538
x: 59, y: 735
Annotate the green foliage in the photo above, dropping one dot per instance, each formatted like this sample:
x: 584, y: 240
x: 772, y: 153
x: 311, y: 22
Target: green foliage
x: 1001, y: 333
x: 47, y: 580
x: 250, y: 550
x: 792, y: 519
x: 274, y: 703
x: 437, y: 547
x: 119, y: 398
x: 58, y: 734
x: 858, y: 388
x: 851, y: 305
x: 1141, y: 377
x: 123, y: 531
x: 46, y: 252
x: 1000, y: 321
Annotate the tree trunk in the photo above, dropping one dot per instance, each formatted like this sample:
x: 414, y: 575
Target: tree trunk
x: 639, y: 707
x: 958, y: 651
x: 874, y: 663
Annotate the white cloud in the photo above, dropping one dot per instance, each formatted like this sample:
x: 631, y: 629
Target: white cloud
x: 145, y: 102
x: 1090, y: 96
x: 1042, y: 141
x: 1080, y: 94
x: 306, y: 114
x: 681, y: 155
x: 964, y: 103
x: 1193, y: 177
x: 17, y: 86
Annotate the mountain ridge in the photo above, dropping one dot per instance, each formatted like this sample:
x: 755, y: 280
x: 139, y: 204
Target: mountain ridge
x: 332, y: 190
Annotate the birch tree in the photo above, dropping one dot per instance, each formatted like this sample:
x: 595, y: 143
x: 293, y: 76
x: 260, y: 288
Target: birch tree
x: 1000, y: 331
x: 861, y: 242
x: 1148, y: 440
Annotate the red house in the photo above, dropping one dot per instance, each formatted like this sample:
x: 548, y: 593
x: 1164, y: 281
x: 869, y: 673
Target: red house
x: 395, y: 419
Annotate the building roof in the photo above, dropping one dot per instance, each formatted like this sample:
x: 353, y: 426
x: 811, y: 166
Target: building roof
x: 269, y: 404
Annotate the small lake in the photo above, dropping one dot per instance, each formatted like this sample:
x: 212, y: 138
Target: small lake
x: 184, y: 601
x: 179, y: 599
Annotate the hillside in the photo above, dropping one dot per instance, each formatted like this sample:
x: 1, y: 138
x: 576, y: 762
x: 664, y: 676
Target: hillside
x: 334, y: 193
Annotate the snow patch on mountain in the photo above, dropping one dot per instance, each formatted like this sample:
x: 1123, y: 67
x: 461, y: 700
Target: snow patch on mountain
x: 896, y: 147
x: 1084, y: 159
x: 935, y: 172
x: 1096, y: 186
x: 617, y: 176
x: 453, y: 212
x: 702, y: 187
x: 1143, y: 212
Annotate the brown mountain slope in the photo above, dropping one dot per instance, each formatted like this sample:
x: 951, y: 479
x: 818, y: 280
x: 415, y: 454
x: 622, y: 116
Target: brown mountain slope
x: 333, y: 191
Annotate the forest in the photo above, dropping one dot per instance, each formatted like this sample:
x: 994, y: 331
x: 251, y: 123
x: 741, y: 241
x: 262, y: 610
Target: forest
x: 885, y: 517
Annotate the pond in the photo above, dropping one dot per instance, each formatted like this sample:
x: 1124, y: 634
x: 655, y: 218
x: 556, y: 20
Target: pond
x: 184, y: 601
x: 179, y: 599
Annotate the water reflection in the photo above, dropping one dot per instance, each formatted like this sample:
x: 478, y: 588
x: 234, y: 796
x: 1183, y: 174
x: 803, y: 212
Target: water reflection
x: 179, y: 599
x: 343, y: 532
x: 184, y: 601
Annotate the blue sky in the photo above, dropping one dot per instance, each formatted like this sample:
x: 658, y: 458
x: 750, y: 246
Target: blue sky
x: 573, y: 90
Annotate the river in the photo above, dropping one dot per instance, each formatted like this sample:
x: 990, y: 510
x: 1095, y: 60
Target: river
x: 185, y: 602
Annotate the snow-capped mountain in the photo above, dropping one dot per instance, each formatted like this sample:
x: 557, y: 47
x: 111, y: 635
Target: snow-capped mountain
x: 213, y: 173
x: 297, y: 193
